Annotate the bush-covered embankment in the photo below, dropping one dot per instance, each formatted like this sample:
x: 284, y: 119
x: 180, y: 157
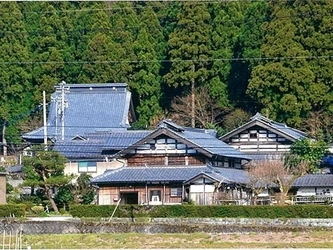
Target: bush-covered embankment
x: 192, y: 211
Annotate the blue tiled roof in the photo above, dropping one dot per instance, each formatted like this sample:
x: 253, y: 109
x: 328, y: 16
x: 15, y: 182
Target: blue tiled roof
x: 94, y: 143
x: 211, y: 144
x: 277, y: 127
x: 123, y: 140
x: 80, y: 149
x: 199, y: 139
x: 167, y: 174
x: 89, y: 108
x: 226, y: 175
x: 283, y: 128
x: 314, y: 180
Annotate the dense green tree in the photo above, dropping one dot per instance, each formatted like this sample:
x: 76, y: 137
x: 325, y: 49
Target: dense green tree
x: 247, y: 54
x: 310, y: 151
x: 287, y: 84
x: 15, y: 79
x: 64, y: 196
x: 83, y: 191
x: 189, y: 52
x: 269, y: 56
x: 45, y: 170
x: 146, y: 84
x: 101, y: 50
x: 125, y: 27
x: 234, y: 119
x: 48, y: 29
x: 225, y: 31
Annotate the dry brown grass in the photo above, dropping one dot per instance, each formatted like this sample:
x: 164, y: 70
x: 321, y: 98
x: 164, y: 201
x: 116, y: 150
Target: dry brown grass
x: 313, y: 239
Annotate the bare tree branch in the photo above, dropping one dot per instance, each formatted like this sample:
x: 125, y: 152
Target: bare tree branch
x: 207, y: 111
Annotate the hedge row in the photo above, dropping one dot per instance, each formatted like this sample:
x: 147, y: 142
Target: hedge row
x: 12, y: 210
x: 188, y: 211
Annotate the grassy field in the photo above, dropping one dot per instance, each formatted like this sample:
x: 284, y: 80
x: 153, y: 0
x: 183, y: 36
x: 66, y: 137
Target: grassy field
x: 313, y: 239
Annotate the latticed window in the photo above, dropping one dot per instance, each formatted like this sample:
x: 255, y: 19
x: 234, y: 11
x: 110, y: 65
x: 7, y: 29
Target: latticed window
x: 87, y: 167
x: 176, y: 191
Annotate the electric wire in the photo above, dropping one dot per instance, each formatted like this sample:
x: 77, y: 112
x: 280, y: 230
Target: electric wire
x: 241, y: 59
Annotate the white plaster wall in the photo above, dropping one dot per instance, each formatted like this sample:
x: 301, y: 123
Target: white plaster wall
x: 72, y: 167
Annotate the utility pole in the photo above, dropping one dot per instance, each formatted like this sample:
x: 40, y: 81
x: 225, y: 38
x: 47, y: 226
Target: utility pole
x: 62, y: 110
x: 193, y: 98
x: 63, y: 104
x: 44, y: 120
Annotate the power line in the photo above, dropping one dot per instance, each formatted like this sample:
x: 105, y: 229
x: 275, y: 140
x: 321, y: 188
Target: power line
x: 175, y: 60
x: 152, y: 2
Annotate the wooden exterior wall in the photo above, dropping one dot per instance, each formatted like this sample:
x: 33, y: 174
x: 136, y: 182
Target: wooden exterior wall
x: 259, y: 139
x: 145, y: 194
x: 164, y: 160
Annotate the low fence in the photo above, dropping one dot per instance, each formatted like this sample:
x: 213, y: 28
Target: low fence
x: 315, y: 199
x: 11, y: 240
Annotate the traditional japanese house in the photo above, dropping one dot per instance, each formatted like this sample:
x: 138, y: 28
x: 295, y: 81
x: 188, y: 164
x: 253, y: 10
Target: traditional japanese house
x: 262, y: 138
x: 173, y: 164
x: 313, y: 188
x: 81, y: 120
x: 94, y: 153
x: 77, y: 109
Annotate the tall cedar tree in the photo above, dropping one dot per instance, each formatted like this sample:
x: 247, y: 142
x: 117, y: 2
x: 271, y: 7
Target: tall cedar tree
x: 146, y: 79
x: 86, y: 42
x: 125, y: 26
x: 225, y: 31
x: 189, y: 49
x: 247, y: 51
x: 45, y: 170
x: 102, y: 52
x: 47, y: 38
x: 15, y: 84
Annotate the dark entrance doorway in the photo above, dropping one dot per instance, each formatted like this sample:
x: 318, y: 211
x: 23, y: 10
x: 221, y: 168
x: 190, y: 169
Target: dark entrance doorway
x: 129, y: 198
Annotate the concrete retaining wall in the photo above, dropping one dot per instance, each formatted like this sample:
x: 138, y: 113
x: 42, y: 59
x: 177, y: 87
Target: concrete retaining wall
x: 165, y: 225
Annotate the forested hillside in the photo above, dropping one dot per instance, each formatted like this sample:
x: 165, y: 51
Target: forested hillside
x: 203, y: 64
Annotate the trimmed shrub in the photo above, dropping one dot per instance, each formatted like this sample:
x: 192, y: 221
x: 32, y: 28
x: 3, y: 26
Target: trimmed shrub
x: 195, y: 211
x: 10, y: 210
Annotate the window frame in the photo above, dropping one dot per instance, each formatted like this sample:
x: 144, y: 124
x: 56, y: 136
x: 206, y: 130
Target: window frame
x: 176, y: 191
x: 87, y: 166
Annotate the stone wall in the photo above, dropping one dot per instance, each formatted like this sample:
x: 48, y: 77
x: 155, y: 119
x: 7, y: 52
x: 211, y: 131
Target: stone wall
x: 163, y: 225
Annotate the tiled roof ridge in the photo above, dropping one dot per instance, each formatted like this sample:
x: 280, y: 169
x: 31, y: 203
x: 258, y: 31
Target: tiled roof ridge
x: 264, y: 119
x: 109, y: 172
x: 183, y: 128
x: 165, y: 167
x: 80, y: 85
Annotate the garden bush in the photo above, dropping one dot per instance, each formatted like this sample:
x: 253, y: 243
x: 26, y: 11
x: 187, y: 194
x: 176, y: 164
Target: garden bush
x: 195, y: 211
x: 12, y: 210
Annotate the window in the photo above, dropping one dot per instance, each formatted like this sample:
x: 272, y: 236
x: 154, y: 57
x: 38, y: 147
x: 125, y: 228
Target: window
x: 176, y: 191
x: 155, y: 195
x: 87, y: 167
x: 253, y: 135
